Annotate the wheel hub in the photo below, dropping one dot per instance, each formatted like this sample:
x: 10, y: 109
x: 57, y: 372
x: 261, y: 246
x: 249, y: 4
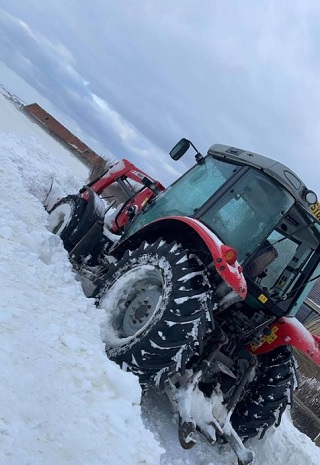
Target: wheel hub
x: 140, y: 311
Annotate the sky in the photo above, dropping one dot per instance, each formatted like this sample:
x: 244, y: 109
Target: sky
x: 62, y: 401
x: 133, y: 77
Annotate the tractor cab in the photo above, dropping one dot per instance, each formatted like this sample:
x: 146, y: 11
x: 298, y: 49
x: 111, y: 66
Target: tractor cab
x: 257, y: 206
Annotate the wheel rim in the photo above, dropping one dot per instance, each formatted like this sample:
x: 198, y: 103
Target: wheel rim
x: 132, y: 303
x: 59, y: 218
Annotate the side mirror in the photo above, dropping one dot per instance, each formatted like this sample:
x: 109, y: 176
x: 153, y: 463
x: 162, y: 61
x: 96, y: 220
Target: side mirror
x: 179, y: 149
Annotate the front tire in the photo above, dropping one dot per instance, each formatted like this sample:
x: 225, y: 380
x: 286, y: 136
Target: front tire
x: 157, y: 299
x: 65, y: 216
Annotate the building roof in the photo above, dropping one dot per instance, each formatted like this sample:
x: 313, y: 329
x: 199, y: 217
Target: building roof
x: 314, y: 294
x: 82, y: 150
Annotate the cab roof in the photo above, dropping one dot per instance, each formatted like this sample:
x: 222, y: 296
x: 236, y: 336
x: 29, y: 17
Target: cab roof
x: 273, y: 168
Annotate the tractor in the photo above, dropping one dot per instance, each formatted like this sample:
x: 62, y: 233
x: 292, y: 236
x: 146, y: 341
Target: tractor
x: 200, y: 282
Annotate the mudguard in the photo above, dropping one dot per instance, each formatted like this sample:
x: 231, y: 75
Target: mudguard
x: 231, y: 273
x: 290, y: 332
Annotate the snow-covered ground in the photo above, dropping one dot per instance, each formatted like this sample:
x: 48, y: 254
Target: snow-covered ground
x: 62, y: 401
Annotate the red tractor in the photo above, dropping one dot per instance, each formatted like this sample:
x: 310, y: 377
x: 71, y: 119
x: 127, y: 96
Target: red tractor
x: 201, y: 282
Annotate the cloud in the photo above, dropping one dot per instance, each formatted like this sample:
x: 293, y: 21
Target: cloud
x: 139, y: 77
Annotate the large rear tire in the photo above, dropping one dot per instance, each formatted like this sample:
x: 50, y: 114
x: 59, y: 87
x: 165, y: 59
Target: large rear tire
x: 267, y: 396
x: 65, y: 216
x: 157, y: 299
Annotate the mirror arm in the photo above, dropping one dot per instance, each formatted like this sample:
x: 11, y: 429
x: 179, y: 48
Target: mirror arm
x: 199, y: 158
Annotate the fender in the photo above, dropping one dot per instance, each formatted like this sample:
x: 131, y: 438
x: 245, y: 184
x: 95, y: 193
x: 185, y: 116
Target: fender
x: 231, y: 272
x: 223, y: 256
x: 290, y: 332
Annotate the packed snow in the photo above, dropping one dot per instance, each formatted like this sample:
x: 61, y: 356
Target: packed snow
x: 62, y: 401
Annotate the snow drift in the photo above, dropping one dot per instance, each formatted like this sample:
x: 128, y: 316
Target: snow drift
x: 63, y: 401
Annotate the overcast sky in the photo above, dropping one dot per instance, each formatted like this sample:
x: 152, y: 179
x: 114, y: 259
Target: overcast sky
x: 135, y: 76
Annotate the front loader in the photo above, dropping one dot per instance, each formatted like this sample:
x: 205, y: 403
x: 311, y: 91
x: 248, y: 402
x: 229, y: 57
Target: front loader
x: 201, y: 282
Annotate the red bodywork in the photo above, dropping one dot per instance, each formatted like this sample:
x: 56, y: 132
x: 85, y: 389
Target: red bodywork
x: 290, y: 332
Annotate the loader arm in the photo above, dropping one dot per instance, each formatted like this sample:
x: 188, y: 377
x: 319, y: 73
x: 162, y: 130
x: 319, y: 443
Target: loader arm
x: 122, y: 171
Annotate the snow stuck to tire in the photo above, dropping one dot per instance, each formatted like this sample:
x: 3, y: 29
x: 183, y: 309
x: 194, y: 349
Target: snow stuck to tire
x: 174, y: 330
x: 65, y: 216
x: 268, y: 395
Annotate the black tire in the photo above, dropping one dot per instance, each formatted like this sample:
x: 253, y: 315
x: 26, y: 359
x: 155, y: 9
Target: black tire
x: 267, y: 396
x: 65, y: 216
x: 157, y: 299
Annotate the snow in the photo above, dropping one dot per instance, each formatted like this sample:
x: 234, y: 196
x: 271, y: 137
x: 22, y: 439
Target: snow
x: 62, y: 401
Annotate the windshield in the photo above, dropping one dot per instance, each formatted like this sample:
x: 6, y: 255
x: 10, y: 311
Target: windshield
x: 247, y: 213
x: 188, y: 193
